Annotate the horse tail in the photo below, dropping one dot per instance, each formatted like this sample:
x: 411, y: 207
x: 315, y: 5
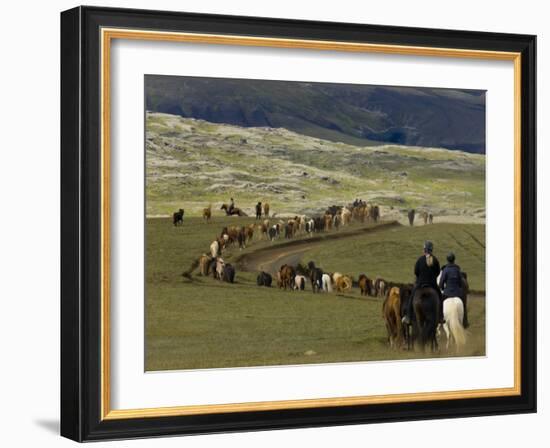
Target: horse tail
x: 454, y: 319
x: 326, y: 283
x: 347, y: 283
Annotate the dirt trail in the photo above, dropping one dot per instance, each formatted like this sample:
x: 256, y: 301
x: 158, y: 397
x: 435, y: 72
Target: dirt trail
x: 270, y: 259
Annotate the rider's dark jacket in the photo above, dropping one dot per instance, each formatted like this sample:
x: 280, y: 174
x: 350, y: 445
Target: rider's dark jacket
x: 451, y: 280
x: 426, y: 275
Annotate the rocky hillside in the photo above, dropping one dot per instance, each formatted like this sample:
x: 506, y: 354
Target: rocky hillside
x: 192, y: 163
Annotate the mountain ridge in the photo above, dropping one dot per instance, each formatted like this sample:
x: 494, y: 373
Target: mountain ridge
x: 356, y: 114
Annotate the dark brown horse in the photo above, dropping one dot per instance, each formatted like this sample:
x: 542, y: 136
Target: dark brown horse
x: 426, y: 309
x: 177, y: 217
x: 405, y: 292
x: 365, y: 285
x: 315, y: 275
x: 410, y: 215
x: 234, y: 211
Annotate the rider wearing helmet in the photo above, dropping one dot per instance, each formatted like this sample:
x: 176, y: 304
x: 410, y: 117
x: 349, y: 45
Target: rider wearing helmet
x: 426, y: 271
x: 451, y: 282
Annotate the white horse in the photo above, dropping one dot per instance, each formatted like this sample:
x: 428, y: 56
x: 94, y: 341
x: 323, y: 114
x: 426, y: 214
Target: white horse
x: 299, y: 282
x: 215, y: 249
x: 220, y: 265
x: 346, y: 216
x: 310, y: 226
x: 453, y: 313
x: 327, y: 283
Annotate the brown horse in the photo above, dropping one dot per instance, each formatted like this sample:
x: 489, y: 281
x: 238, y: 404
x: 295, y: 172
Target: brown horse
x: 204, y: 264
x: 410, y: 215
x: 328, y: 221
x: 344, y: 284
x: 234, y: 212
x: 266, y: 210
x: 232, y: 233
x: 207, y: 213
x: 375, y: 213
x: 424, y: 216
x: 177, y: 217
x: 250, y: 232
x: 391, y: 312
x: 286, y: 276
x: 426, y: 309
x: 365, y: 285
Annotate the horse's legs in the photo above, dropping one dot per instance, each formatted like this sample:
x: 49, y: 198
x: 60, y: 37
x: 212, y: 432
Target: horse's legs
x: 405, y: 329
x: 435, y: 344
x: 388, y: 330
x: 465, y: 322
x: 447, y: 334
x: 425, y: 335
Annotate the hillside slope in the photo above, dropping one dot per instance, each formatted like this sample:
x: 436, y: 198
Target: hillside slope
x: 191, y: 163
x: 356, y: 114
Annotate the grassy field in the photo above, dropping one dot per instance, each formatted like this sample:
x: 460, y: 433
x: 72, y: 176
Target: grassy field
x: 201, y: 323
x: 391, y: 254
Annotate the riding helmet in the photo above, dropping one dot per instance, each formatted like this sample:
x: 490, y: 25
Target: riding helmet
x: 428, y: 246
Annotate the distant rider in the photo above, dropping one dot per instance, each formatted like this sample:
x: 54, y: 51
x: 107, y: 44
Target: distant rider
x: 231, y: 206
x: 426, y: 271
x: 451, y: 283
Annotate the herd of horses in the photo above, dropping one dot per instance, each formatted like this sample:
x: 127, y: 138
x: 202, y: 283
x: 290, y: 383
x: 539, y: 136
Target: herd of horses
x: 333, y: 217
x: 423, y: 329
x: 212, y: 263
x: 427, y: 217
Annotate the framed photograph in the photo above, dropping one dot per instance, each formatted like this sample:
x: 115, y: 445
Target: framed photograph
x: 276, y: 224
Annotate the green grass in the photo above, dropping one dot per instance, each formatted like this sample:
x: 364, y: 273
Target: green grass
x: 391, y: 254
x: 202, y: 323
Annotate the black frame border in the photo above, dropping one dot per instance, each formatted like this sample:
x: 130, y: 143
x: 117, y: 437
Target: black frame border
x: 81, y: 223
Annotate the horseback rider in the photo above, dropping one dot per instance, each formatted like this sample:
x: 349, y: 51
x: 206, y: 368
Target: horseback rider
x: 451, y: 283
x: 231, y: 206
x: 426, y: 271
